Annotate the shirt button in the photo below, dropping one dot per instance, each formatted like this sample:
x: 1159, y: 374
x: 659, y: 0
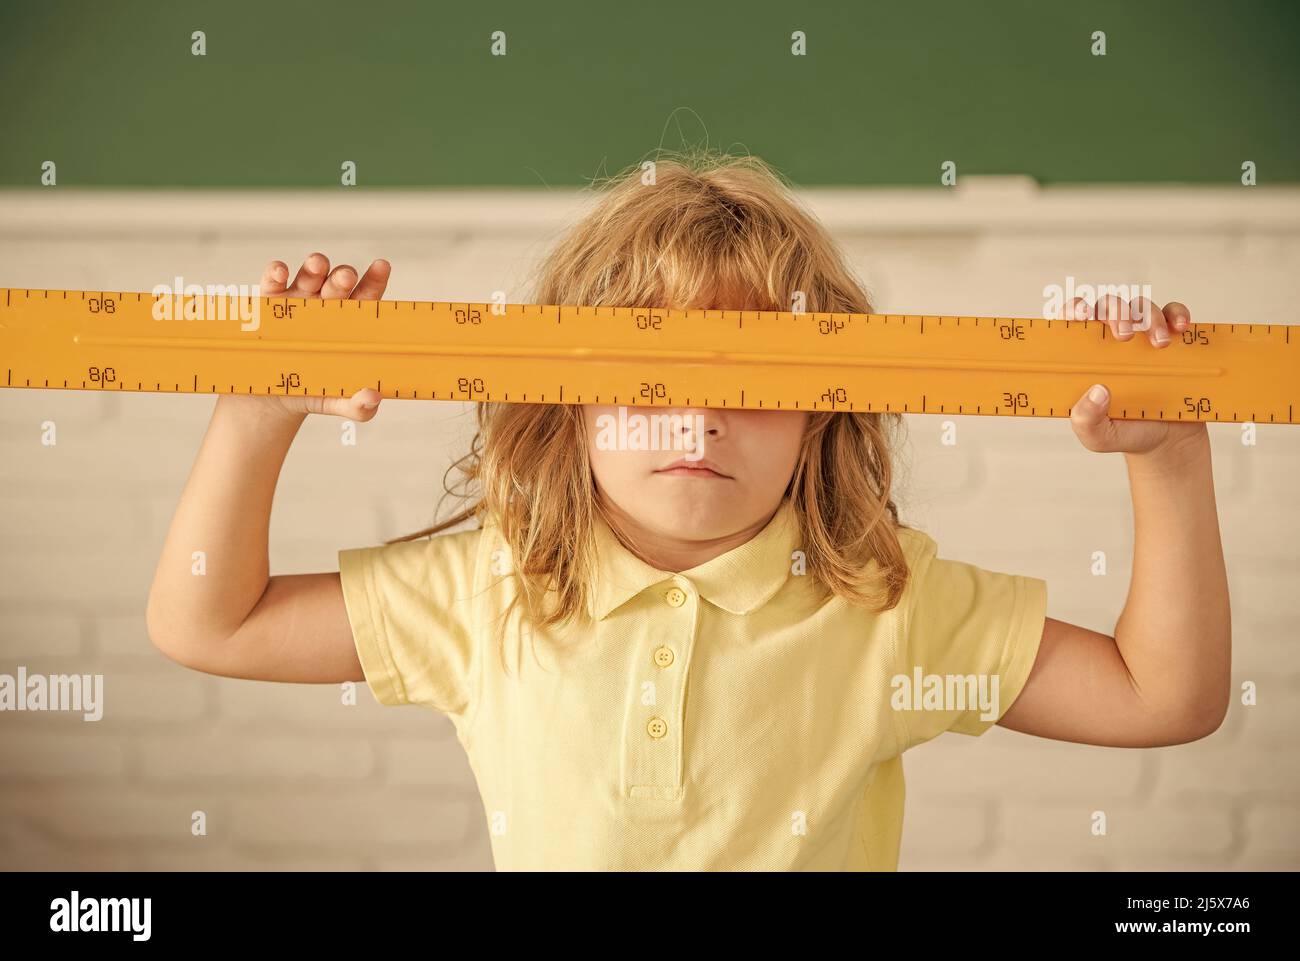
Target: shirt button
x: 676, y: 597
x: 663, y: 656
x: 657, y: 727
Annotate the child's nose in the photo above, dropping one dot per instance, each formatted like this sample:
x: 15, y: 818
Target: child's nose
x: 702, y: 421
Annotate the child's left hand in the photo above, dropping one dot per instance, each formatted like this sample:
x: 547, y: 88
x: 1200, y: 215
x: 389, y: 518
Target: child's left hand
x: 1090, y: 419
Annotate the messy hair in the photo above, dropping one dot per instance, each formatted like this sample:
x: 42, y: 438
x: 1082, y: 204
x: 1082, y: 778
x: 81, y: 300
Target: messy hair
x: 704, y: 224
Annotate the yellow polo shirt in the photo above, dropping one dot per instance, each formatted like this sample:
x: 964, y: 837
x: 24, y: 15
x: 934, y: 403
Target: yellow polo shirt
x: 723, y: 718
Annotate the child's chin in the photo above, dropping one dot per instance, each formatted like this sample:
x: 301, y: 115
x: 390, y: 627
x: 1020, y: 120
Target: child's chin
x: 685, y: 498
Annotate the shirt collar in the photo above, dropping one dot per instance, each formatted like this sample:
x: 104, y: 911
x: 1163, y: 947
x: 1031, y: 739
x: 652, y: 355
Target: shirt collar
x: 740, y: 581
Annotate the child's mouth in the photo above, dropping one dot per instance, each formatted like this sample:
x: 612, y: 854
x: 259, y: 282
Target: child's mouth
x: 700, y: 467
x: 692, y: 472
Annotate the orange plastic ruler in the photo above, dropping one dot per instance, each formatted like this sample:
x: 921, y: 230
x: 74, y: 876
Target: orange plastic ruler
x: 530, y: 353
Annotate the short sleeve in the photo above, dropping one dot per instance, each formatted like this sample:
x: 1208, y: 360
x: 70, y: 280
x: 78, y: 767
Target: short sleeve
x: 410, y: 605
x: 969, y: 640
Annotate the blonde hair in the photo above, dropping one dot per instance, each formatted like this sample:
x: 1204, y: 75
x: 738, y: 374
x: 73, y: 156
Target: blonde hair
x: 709, y: 223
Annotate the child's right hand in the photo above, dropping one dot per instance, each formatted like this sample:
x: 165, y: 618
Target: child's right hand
x: 316, y: 281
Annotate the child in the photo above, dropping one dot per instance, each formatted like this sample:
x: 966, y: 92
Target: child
x: 716, y: 665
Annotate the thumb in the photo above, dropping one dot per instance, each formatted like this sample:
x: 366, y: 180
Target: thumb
x: 361, y: 406
x: 1091, y: 421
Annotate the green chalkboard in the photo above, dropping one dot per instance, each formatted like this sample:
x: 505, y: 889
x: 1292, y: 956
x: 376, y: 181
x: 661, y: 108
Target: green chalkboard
x: 412, y: 93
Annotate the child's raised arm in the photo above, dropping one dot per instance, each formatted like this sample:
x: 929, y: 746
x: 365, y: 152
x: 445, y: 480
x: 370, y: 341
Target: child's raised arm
x: 233, y: 618
x: 1165, y: 676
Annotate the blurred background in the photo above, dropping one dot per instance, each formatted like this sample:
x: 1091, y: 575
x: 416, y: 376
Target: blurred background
x: 1170, y: 159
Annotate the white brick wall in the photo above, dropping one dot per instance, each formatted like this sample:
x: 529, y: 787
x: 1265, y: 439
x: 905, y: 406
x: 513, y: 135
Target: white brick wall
x: 291, y: 778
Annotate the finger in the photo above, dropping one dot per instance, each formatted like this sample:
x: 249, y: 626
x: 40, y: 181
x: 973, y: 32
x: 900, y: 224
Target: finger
x: 1114, y: 310
x: 1077, y: 309
x: 1179, y: 317
x: 310, y: 276
x: 1090, y: 419
x: 1148, y: 317
x: 361, y: 406
x: 374, y: 281
x: 273, y: 278
x: 339, y: 283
